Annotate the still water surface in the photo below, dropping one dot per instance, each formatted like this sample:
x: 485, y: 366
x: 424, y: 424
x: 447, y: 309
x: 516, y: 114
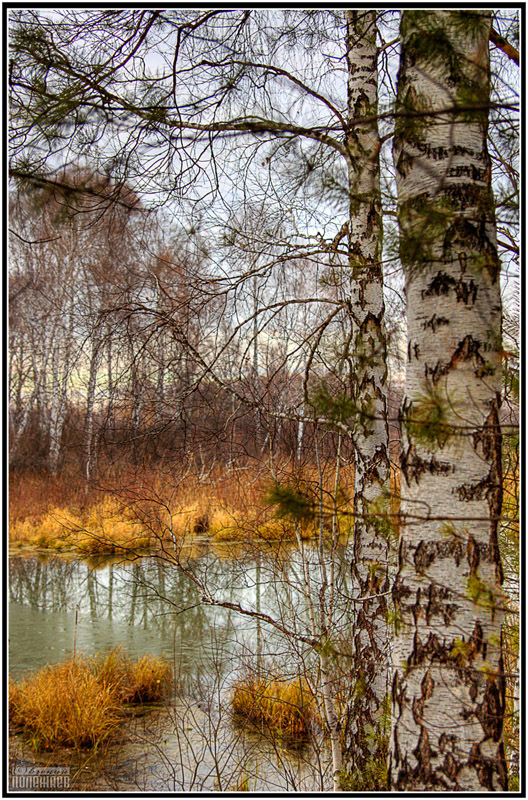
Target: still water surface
x: 60, y: 605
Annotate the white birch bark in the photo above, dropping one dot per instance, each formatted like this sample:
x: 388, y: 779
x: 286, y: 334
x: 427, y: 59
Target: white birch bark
x: 61, y: 377
x: 90, y: 454
x: 448, y: 685
x: 371, y: 546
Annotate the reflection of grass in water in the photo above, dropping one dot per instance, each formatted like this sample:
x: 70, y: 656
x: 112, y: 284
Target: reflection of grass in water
x: 78, y: 703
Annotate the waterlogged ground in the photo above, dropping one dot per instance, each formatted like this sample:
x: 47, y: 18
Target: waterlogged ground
x: 61, y: 605
x: 177, y: 748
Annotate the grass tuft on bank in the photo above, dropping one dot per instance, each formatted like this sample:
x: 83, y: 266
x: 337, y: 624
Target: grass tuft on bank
x: 150, y: 510
x: 79, y: 703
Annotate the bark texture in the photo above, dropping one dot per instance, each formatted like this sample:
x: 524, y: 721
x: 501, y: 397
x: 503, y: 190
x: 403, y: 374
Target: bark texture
x: 448, y: 682
x: 371, y: 543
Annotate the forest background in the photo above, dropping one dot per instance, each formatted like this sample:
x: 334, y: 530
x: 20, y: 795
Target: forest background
x: 261, y: 291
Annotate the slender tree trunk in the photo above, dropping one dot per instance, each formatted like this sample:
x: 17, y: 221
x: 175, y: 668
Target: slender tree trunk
x: 89, y: 434
x: 448, y: 685
x: 332, y: 722
x: 111, y: 383
x: 256, y: 358
x: 61, y: 375
x: 20, y: 408
x: 371, y: 546
x: 56, y: 417
x: 300, y: 436
x: 160, y: 388
x: 138, y: 388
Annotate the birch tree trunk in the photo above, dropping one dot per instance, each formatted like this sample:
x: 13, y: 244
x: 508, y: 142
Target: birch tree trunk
x: 371, y: 551
x: 111, y: 382
x: 448, y: 683
x: 56, y: 415
x: 90, y: 451
x: 61, y: 366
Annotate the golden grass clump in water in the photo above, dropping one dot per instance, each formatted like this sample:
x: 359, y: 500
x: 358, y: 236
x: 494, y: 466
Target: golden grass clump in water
x: 143, y: 681
x: 64, y: 705
x: 282, y: 707
x: 78, y: 703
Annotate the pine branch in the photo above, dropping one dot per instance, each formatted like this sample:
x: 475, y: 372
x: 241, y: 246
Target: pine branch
x: 500, y: 42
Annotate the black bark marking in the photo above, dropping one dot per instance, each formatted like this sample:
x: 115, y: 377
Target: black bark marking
x: 416, y: 608
x: 413, y: 348
x: 424, y: 754
x: 413, y: 466
x: 465, y: 195
x: 466, y: 291
x: 474, y: 491
x: 399, y: 698
x: 495, y: 493
x: 427, y: 686
x: 490, y: 440
x: 467, y: 350
x: 428, y: 552
x: 466, y: 236
x: 473, y: 554
x: 424, y: 555
x: 469, y: 237
x: 502, y: 770
x: 437, y: 597
x: 467, y: 171
x: 486, y: 768
x: 404, y: 163
x: 417, y: 710
x: 476, y: 642
x: 435, y: 322
x: 442, y: 284
x: 434, y: 153
x: 372, y: 322
x: 491, y: 710
x: 450, y: 768
x: 436, y: 372
x: 432, y: 650
x: 447, y: 743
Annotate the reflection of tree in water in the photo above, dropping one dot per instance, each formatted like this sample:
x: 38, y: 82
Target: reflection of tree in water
x: 152, y: 604
x: 44, y: 585
x: 159, y: 599
x: 147, y: 594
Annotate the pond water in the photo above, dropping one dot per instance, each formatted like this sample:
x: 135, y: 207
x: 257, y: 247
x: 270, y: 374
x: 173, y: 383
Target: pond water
x: 60, y: 605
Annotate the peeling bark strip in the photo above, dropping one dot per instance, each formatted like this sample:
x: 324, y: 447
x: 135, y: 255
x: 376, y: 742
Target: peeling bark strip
x: 370, y: 672
x: 448, y: 681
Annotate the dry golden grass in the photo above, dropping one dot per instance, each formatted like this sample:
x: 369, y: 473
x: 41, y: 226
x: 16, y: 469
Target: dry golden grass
x: 148, y: 512
x: 64, y: 705
x: 78, y: 703
x: 104, y: 527
x: 283, y: 707
x: 32, y: 495
x: 510, y: 555
x: 153, y: 508
x: 143, y: 681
